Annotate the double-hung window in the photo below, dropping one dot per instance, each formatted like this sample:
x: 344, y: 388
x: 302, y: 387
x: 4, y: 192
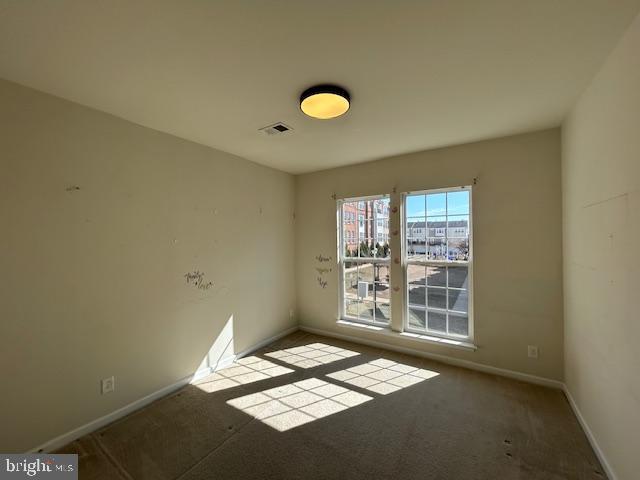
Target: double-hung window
x: 438, y: 262
x: 364, y: 259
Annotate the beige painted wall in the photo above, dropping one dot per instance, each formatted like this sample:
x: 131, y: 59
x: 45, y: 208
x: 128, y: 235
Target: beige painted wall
x: 517, y: 226
x: 601, y: 197
x: 92, y: 279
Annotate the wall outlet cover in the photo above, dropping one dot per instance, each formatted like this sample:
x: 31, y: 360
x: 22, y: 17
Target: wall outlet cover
x: 108, y: 385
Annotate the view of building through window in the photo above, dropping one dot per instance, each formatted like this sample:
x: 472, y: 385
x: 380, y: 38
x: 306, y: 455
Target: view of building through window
x: 438, y: 261
x: 437, y: 226
x: 365, y: 226
x: 365, y: 259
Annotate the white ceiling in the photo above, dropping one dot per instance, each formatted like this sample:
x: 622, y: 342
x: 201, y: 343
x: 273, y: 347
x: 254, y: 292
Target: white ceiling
x: 422, y: 74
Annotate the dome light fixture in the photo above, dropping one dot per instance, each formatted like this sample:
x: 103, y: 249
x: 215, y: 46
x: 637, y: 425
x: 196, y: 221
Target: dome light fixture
x: 324, y: 101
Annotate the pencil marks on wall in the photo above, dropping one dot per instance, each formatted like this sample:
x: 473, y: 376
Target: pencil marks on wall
x: 323, y: 270
x: 197, y: 279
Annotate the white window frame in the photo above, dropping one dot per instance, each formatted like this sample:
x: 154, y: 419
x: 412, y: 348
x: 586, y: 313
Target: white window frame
x: 342, y: 258
x: 446, y: 263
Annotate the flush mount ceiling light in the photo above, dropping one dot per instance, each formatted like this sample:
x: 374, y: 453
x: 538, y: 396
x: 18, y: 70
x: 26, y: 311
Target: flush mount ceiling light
x: 324, y: 101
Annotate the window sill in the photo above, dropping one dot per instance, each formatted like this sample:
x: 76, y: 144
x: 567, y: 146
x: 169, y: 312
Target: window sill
x: 387, y: 332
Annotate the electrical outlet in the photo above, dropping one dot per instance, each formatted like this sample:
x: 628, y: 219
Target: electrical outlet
x: 532, y: 351
x: 291, y: 314
x: 108, y: 385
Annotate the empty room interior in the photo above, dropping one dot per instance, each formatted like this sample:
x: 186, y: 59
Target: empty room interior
x: 349, y: 239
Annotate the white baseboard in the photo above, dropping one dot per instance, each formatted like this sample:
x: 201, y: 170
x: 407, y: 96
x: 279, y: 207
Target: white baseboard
x: 267, y: 341
x: 98, y: 423
x: 203, y: 372
x: 592, y: 439
x: 608, y: 470
x: 525, y: 377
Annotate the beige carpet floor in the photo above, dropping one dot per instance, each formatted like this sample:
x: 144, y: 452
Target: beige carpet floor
x: 310, y: 407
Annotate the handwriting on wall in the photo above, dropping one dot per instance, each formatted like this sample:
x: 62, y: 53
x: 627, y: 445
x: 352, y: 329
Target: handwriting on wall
x: 196, y: 278
x: 322, y: 270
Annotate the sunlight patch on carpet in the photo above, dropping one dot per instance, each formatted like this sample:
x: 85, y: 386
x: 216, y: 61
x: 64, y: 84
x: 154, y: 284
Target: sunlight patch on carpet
x: 382, y: 376
x: 295, y: 404
x: 241, y: 372
x: 312, y: 355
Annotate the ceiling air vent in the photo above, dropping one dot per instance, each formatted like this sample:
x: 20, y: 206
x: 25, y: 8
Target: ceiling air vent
x: 276, y: 129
